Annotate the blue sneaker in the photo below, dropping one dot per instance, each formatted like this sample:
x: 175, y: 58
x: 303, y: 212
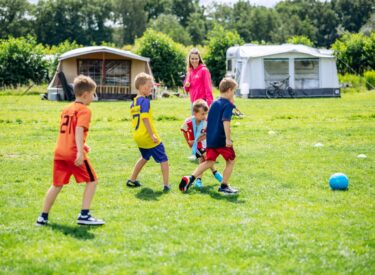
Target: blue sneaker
x: 198, y: 183
x: 218, y: 177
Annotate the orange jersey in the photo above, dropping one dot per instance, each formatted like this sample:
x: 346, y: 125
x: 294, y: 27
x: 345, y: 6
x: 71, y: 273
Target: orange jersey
x: 74, y: 115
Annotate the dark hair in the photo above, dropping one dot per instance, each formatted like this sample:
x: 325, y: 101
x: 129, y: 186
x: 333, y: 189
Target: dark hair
x: 198, y: 104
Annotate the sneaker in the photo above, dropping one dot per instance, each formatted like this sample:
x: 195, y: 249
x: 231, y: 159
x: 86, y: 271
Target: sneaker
x: 89, y: 220
x: 227, y: 190
x: 167, y: 188
x: 198, y: 183
x: 218, y: 177
x: 133, y: 184
x: 41, y: 221
x: 185, y: 183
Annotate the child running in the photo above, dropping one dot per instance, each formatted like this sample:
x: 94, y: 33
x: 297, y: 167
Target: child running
x: 194, y: 131
x: 145, y: 134
x: 71, y: 153
x: 219, y: 140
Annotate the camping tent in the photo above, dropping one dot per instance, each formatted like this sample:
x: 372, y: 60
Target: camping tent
x: 112, y: 69
x: 311, y: 72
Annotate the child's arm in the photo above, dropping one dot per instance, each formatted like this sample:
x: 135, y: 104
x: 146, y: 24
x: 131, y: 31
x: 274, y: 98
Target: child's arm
x: 228, y: 141
x: 149, y: 130
x: 79, y: 143
x: 189, y: 142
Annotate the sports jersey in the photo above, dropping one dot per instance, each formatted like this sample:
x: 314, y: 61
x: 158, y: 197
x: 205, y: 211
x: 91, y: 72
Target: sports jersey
x: 187, y: 127
x: 74, y: 115
x: 221, y: 110
x: 140, y: 109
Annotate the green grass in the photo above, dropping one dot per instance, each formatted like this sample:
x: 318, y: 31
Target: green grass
x: 285, y: 220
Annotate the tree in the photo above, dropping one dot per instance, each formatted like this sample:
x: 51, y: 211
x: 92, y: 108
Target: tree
x: 219, y: 40
x: 197, y: 28
x: 353, y: 13
x: 154, y: 8
x: 13, y: 18
x: 168, y: 24
x: 132, y: 17
x: 21, y: 61
x: 183, y: 9
x: 355, y: 53
x: 167, y: 57
x: 300, y: 40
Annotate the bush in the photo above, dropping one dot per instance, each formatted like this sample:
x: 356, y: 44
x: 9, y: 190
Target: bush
x: 300, y: 39
x: 167, y: 57
x: 370, y: 80
x: 219, y: 41
x: 21, y: 61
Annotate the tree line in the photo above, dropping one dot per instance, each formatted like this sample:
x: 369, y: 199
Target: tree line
x: 120, y: 22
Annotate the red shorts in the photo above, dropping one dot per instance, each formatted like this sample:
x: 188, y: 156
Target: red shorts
x: 227, y: 153
x: 63, y: 170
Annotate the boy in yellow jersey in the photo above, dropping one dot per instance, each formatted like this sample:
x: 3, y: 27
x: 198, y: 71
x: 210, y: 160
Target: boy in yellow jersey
x: 145, y: 134
x: 71, y: 153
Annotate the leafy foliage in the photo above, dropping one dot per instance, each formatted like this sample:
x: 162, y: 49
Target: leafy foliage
x: 167, y: 57
x: 300, y: 40
x: 219, y: 40
x: 370, y: 80
x: 21, y: 61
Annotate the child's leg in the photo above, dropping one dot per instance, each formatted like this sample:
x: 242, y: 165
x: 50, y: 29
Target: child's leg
x: 137, y: 168
x: 50, y: 198
x: 228, y: 170
x: 165, y: 171
x: 203, y: 167
x: 88, y: 194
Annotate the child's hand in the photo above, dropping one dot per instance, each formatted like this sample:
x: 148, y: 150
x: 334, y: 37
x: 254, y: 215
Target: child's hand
x: 79, y: 159
x: 187, y: 84
x: 86, y: 148
x: 228, y: 143
x: 154, y: 138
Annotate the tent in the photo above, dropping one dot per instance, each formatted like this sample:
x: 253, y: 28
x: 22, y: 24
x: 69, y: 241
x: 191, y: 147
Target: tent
x: 112, y: 69
x: 308, y: 71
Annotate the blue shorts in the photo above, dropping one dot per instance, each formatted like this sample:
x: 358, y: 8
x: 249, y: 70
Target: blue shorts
x: 158, y: 153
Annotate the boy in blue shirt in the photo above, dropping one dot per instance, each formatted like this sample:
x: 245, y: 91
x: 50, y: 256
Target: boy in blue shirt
x: 218, y: 138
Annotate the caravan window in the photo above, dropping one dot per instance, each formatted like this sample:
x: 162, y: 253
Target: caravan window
x: 229, y: 65
x: 275, y: 69
x: 116, y: 72
x: 306, y: 73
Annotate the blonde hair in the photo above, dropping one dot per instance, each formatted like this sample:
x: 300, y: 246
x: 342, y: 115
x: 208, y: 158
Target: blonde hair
x: 141, y: 79
x: 200, y: 104
x: 226, y: 84
x: 188, y: 64
x: 82, y: 84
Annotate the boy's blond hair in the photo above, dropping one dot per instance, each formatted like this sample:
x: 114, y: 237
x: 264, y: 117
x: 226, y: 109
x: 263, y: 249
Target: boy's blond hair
x: 200, y: 104
x: 83, y: 84
x: 141, y: 79
x: 226, y: 84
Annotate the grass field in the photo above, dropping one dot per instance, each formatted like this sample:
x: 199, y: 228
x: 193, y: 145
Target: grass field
x: 285, y: 220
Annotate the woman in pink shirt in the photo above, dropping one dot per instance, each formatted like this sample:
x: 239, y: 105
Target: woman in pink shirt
x: 198, y: 78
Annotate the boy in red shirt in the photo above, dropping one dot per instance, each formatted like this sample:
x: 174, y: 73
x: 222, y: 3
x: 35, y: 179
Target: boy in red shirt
x: 70, y: 156
x: 194, y: 131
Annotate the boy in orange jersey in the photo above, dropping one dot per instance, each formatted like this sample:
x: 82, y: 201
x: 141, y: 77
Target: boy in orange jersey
x: 71, y: 153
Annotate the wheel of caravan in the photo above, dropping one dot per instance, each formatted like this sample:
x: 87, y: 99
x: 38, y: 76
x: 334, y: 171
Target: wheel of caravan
x: 270, y: 93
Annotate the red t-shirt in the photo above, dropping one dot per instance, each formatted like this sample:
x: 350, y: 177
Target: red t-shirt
x: 187, y: 127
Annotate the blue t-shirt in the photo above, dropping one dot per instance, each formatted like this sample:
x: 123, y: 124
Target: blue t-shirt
x: 221, y: 110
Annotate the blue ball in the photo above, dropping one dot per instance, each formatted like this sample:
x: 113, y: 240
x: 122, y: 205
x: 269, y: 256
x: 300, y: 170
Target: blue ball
x: 339, y: 181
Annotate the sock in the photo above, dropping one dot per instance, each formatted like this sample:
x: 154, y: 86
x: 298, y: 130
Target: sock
x: 192, y: 179
x: 223, y: 185
x: 84, y: 212
x: 44, y: 215
x: 199, y: 179
x: 214, y: 172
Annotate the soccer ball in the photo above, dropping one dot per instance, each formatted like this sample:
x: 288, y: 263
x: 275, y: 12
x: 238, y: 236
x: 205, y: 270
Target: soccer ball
x: 339, y: 181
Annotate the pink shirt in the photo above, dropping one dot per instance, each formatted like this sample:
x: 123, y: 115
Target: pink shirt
x: 200, y: 84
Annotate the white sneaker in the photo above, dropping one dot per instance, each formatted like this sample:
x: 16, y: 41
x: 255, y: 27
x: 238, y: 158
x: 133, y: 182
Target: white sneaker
x: 89, y: 220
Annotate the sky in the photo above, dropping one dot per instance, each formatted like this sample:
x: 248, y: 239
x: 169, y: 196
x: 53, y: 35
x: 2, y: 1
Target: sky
x: 266, y: 3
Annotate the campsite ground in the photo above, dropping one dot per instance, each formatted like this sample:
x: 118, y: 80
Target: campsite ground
x: 286, y: 219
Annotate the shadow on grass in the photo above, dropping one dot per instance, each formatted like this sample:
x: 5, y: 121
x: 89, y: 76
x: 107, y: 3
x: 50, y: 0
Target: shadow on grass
x: 81, y: 232
x: 147, y: 194
x: 211, y: 190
